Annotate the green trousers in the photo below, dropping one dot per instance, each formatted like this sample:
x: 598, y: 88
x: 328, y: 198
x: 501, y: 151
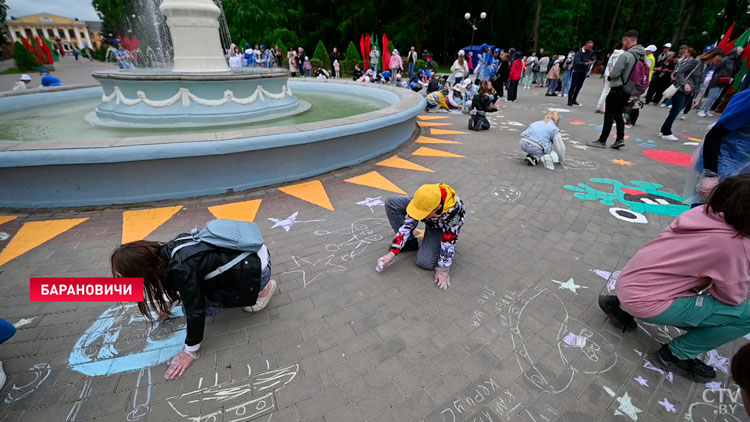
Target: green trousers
x: 708, y: 322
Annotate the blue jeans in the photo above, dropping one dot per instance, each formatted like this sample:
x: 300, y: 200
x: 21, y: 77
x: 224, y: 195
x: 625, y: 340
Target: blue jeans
x: 678, y: 103
x: 6, y: 330
x: 713, y: 95
x: 429, y: 250
x: 566, y: 82
x: 411, y: 70
x: 552, y: 86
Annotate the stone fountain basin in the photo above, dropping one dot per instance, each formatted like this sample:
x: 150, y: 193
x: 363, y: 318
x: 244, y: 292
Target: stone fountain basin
x: 94, y: 172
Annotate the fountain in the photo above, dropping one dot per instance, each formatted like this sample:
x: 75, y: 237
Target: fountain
x: 159, y: 134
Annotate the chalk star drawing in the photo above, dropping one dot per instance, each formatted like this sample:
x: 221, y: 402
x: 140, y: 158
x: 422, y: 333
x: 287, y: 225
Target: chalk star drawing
x: 669, y: 407
x: 623, y: 162
x: 4, y: 236
x: 314, y: 269
x: 713, y: 358
x: 371, y: 202
x: 649, y: 365
x: 23, y: 321
x: 288, y: 222
x: 626, y: 407
x: 714, y: 385
x: 570, y: 285
x: 642, y: 381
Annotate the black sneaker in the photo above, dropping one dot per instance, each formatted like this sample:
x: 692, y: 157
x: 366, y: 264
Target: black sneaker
x: 530, y: 160
x: 570, y: 104
x: 618, y: 144
x: 597, y: 144
x: 610, y: 304
x: 471, y: 124
x: 692, y: 369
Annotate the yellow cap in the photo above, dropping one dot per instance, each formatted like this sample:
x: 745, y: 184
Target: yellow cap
x: 426, y: 200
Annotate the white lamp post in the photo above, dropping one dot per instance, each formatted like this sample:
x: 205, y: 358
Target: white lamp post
x: 467, y: 16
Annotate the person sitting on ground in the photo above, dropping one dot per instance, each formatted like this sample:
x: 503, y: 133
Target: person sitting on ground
x: 434, y: 84
x: 48, y: 80
x: 400, y: 82
x: 7, y: 330
x: 470, y: 91
x: 323, y: 74
x: 415, y: 83
x: 695, y: 275
x: 454, y: 99
x: 541, y: 138
x: 357, y: 74
x: 22, y: 83
x: 740, y: 372
x: 187, y: 271
x: 480, y: 106
x: 443, y: 213
x: 368, y: 76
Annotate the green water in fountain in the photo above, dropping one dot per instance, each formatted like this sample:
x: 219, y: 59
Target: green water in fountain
x: 66, y: 120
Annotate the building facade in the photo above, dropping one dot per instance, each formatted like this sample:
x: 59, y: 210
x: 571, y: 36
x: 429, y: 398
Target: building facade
x: 65, y: 33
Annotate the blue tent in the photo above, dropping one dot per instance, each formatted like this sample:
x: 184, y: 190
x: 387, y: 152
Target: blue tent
x: 475, y: 50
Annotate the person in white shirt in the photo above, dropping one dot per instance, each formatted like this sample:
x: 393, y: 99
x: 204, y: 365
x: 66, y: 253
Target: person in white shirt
x: 22, y: 83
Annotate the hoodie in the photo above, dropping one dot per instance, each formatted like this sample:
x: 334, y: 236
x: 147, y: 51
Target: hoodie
x: 694, y: 251
x: 620, y: 72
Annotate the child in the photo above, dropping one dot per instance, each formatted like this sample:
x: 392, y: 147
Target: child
x: 480, y: 105
x: 632, y: 111
x: 336, y: 69
x: 542, y: 138
x: 470, y: 90
x: 415, y: 83
x: 553, y: 76
x: 695, y: 275
x: 323, y: 74
x: 23, y: 83
x: 436, y: 102
x: 187, y: 270
x: 307, y: 67
x: 454, y: 99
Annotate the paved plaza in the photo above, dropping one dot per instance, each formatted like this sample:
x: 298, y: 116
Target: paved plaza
x: 518, y: 335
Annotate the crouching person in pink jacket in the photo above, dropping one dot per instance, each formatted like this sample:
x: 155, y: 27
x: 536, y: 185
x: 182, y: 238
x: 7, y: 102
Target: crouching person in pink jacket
x: 695, y: 276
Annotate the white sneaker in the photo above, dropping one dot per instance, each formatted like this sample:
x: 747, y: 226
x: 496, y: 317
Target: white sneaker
x: 709, y: 114
x: 662, y: 105
x: 683, y: 116
x: 669, y: 106
x: 701, y: 114
x: 669, y: 138
x: 262, y: 302
x: 2, y: 376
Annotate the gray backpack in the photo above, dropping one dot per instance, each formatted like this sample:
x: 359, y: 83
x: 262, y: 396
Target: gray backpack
x: 226, y: 234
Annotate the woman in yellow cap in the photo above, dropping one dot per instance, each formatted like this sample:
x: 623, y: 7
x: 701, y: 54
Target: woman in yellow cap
x: 443, y: 213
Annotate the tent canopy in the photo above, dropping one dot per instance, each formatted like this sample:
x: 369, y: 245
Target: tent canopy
x: 475, y: 50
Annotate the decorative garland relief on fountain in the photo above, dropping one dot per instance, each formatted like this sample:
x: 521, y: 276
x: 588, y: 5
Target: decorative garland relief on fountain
x: 185, y: 96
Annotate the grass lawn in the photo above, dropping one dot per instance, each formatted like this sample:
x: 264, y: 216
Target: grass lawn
x: 10, y: 71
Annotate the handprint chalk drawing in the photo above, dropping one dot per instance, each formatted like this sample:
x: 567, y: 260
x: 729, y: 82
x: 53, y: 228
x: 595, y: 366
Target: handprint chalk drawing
x: 121, y: 340
x: 639, y: 197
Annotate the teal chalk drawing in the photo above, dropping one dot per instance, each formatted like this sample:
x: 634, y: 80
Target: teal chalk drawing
x: 639, y: 198
x: 121, y: 340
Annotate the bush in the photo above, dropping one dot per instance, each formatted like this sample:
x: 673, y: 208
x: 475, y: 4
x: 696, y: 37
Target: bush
x: 316, y: 63
x: 101, y: 53
x: 322, y: 54
x: 25, y: 61
x: 352, y: 58
x: 421, y: 64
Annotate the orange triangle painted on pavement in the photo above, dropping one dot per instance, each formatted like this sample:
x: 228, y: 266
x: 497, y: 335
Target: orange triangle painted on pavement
x: 428, y: 140
x: 374, y: 179
x: 241, y: 211
x: 432, y: 117
x: 446, y: 132
x: 6, y: 218
x: 431, y: 152
x: 432, y: 124
x: 312, y: 192
x: 400, y: 163
x: 35, y: 233
x: 137, y: 224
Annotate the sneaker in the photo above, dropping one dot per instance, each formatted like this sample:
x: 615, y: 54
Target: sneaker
x: 530, y: 160
x: 618, y: 144
x: 596, y: 110
x: 570, y: 104
x: 576, y: 103
x: 692, y: 369
x: 662, y: 105
x: 262, y: 302
x: 597, y: 144
x: 669, y: 106
x: 471, y: 124
x: 701, y: 114
x: 2, y: 376
x: 622, y: 320
x: 669, y: 138
x: 628, y: 125
x: 683, y: 116
x: 710, y: 114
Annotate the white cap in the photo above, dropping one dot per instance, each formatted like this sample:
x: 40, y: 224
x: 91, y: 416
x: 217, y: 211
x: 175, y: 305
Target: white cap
x: 395, y: 52
x: 651, y: 48
x: 25, y: 77
x: 668, y: 45
x: 461, y: 53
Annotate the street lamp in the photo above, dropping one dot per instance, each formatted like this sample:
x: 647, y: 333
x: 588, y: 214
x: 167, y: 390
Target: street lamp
x: 467, y: 16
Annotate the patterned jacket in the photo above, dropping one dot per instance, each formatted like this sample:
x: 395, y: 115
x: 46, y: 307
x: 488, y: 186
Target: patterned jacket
x: 449, y: 221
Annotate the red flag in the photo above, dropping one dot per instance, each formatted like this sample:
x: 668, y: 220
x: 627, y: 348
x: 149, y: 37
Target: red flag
x: 362, y: 49
x: 725, y: 43
x: 368, y: 48
x: 47, y: 52
x: 27, y: 44
x: 386, y: 54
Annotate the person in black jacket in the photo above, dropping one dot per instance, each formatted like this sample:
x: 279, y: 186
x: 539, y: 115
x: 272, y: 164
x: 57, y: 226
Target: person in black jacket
x: 581, y: 62
x: 480, y: 105
x: 501, y: 75
x: 172, y: 273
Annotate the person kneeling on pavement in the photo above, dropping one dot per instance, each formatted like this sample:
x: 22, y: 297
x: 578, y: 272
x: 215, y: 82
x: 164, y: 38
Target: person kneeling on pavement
x: 443, y: 213
x: 542, y: 138
x: 225, y: 265
x: 481, y: 104
x: 695, y: 276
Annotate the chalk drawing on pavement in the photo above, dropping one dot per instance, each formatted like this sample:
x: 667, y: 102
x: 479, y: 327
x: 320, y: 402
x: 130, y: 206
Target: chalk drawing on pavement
x: 288, y: 222
x: 356, y: 238
x: 141, y: 396
x: 610, y: 278
x: 507, y: 193
x: 28, y: 382
x: 311, y: 271
x: 371, y: 203
x: 626, y: 406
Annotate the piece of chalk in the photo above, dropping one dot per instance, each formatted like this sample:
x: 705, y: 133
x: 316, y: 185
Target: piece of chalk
x: 380, y: 266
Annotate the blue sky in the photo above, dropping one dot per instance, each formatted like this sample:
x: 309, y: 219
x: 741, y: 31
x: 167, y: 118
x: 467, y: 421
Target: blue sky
x: 81, y: 9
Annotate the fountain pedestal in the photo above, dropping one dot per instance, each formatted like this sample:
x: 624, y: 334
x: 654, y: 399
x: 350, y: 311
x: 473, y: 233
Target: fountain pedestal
x: 194, y: 27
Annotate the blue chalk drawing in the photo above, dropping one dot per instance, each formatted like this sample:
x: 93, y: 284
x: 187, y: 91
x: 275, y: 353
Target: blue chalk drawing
x: 122, y: 340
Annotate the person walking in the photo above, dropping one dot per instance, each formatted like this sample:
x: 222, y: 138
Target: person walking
x: 618, y: 96
x: 607, y: 70
x: 374, y: 58
x: 688, y: 80
x: 581, y: 62
x: 529, y: 76
x: 514, y: 77
x: 554, y: 76
x: 411, y: 58
x: 459, y: 69
x: 662, y: 77
x: 396, y: 65
x: 723, y: 75
x: 544, y: 63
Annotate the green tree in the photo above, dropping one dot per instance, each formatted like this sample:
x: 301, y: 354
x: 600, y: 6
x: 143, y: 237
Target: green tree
x: 25, y: 61
x: 352, y: 58
x: 322, y: 54
x: 114, y: 16
x: 3, y: 17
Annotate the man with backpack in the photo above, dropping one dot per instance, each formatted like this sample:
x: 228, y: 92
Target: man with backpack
x: 628, y: 78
